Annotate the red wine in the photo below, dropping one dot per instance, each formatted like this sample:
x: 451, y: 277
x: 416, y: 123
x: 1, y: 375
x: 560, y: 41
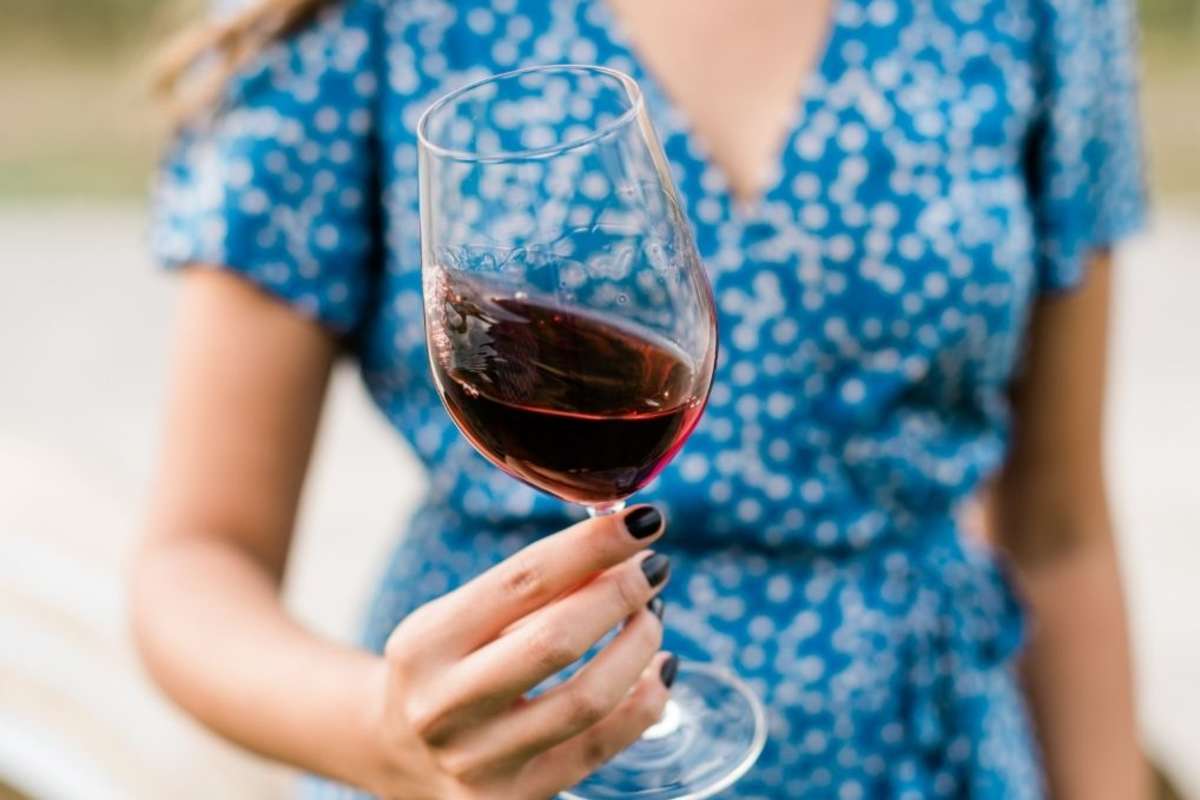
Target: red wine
x: 586, y: 408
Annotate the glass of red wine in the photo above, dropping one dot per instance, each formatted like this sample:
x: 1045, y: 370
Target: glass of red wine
x: 572, y: 336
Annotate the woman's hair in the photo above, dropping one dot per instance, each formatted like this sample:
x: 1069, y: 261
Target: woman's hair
x: 196, y: 65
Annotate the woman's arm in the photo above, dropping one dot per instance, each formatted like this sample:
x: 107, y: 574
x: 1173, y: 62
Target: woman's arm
x: 1051, y: 514
x: 442, y: 713
x: 249, y: 376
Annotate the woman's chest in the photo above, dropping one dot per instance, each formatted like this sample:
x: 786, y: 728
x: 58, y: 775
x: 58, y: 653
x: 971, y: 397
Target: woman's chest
x: 891, y: 236
x: 734, y: 75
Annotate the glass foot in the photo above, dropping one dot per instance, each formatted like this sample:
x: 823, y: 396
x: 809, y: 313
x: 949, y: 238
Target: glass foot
x: 711, y: 733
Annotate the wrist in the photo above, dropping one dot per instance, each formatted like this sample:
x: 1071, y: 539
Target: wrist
x: 370, y: 756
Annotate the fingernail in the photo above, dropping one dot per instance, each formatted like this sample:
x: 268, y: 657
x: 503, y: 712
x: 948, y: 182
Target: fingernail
x: 668, y: 670
x: 657, y: 606
x: 655, y: 568
x: 644, y: 521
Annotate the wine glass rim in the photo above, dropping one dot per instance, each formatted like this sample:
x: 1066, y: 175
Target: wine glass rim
x: 631, y: 87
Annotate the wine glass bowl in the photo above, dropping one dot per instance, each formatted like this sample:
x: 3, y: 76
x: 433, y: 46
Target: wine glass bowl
x: 571, y: 326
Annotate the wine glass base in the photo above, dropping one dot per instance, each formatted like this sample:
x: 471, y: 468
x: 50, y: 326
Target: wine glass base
x: 710, y: 734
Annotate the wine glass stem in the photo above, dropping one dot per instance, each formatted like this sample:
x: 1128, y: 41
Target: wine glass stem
x: 673, y: 713
x: 605, y: 509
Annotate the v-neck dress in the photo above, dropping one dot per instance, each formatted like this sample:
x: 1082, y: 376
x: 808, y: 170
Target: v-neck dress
x: 949, y: 163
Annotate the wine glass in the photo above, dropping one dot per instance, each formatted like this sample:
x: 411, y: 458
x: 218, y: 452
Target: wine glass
x: 572, y: 336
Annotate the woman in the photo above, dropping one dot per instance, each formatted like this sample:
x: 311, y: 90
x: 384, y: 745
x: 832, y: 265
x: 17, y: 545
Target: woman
x: 899, y: 204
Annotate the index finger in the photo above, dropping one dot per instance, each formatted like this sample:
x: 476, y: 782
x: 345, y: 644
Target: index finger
x: 531, y: 578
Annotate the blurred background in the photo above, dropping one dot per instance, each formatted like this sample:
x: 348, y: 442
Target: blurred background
x: 84, y: 324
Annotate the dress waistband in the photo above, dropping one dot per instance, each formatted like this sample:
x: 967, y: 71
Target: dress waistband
x: 954, y: 616
x: 964, y: 621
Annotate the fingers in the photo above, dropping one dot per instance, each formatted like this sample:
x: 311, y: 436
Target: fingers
x: 579, y: 703
x: 557, y: 635
x: 570, y: 762
x: 479, y: 611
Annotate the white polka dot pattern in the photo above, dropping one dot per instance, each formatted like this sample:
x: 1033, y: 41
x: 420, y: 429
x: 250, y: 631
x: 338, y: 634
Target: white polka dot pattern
x: 948, y: 162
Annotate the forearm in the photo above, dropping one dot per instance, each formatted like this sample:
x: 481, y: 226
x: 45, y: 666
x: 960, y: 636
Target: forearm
x: 211, y: 629
x: 1077, y: 671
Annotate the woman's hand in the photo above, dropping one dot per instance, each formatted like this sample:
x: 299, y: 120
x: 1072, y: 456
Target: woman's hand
x: 455, y: 722
x: 442, y: 715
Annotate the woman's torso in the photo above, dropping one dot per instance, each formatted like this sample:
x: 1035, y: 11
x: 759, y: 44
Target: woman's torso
x: 871, y: 303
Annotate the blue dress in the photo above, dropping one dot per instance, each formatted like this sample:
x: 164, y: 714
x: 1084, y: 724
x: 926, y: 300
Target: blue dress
x: 949, y: 163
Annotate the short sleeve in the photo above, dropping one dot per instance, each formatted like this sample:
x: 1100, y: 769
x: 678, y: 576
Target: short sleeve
x: 280, y: 185
x: 1085, y: 160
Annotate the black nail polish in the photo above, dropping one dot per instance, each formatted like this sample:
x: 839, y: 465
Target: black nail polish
x: 643, y: 522
x: 655, y: 568
x: 669, y: 668
x: 657, y: 606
